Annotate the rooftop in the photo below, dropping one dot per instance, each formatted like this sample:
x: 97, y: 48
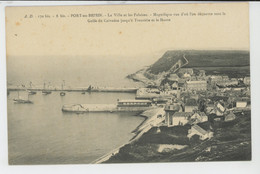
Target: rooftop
x: 135, y: 101
x: 182, y: 114
x: 199, y: 129
x: 196, y: 81
x: 172, y: 107
x: 202, y: 113
x: 173, y: 77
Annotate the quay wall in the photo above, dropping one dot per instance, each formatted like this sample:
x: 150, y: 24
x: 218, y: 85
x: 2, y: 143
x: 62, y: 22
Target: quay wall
x: 101, y: 108
x: 98, y: 89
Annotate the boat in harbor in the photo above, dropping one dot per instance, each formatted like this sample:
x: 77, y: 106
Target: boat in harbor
x: 21, y: 100
x: 62, y: 93
x: 88, y: 90
x: 31, y: 92
x: 45, y: 91
x: 121, y: 106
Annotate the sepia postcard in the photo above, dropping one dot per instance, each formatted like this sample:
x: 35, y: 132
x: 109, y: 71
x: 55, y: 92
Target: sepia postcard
x: 128, y: 83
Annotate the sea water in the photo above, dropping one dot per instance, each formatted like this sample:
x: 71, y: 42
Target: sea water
x: 40, y: 133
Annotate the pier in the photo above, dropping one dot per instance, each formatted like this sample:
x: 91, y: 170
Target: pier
x: 79, y: 89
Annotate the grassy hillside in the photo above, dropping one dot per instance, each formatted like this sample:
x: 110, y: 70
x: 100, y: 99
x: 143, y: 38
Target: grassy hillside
x: 201, y: 58
x: 231, y: 142
x: 166, y: 61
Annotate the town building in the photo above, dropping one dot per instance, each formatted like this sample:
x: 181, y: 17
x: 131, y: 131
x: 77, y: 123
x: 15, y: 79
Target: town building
x: 210, y: 108
x: 193, y: 78
x: 216, y: 78
x: 186, y: 76
x: 181, y: 84
x: 190, y: 105
x: 225, y: 83
x: 219, y: 109
x: 171, y: 91
x: 198, y: 117
x: 202, y: 73
x: 194, y: 96
x: 246, y: 81
x: 173, y: 77
x: 170, y: 109
x: 225, y: 78
x: 241, y: 104
x: 199, y: 85
x: 197, y: 130
x: 229, y: 117
x: 179, y: 119
x: 175, y: 86
x: 186, y: 71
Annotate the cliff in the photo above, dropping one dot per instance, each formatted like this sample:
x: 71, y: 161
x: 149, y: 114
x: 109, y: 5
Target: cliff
x: 210, y: 60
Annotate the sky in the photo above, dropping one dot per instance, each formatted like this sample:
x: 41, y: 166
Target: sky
x: 75, y: 36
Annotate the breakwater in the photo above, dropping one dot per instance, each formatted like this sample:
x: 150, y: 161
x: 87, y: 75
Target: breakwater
x: 81, y: 89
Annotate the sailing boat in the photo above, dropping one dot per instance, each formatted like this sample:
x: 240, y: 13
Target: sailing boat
x: 30, y: 92
x: 62, y: 93
x: 44, y: 91
x: 20, y: 100
x: 88, y: 90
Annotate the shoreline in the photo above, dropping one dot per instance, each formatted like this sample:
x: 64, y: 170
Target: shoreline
x: 108, y: 155
x: 147, y: 124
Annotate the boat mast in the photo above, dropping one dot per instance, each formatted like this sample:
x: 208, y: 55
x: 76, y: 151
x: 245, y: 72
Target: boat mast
x: 49, y: 84
x: 62, y: 84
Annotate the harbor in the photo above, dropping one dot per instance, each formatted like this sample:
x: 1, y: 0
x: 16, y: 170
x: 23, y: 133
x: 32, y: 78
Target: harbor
x: 185, y: 100
x: 52, y: 132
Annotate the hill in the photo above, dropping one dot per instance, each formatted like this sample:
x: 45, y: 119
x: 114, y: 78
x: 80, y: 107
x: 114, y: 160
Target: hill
x: 234, y: 63
x: 231, y: 142
x: 201, y: 58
